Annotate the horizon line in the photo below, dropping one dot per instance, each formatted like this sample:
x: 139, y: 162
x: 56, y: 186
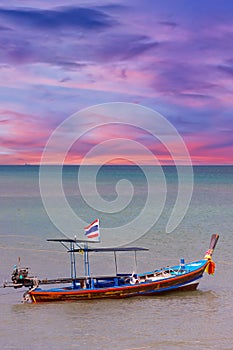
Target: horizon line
x: 57, y: 164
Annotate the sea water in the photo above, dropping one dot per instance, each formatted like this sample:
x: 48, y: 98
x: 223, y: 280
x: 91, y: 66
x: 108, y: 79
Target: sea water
x: 192, y: 320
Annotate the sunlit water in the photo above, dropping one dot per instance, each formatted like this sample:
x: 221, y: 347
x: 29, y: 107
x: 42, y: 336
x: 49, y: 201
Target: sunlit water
x: 192, y: 320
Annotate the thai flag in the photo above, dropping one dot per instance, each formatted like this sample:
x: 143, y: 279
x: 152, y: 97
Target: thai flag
x: 92, y: 230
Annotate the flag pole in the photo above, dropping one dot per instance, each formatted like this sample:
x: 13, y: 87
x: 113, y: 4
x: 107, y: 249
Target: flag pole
x: 91, y: 231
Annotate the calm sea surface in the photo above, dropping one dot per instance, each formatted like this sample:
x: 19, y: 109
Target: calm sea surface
x: 193, y: 320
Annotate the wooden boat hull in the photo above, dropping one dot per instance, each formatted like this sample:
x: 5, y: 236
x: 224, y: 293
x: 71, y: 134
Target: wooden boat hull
x: 179, y: 282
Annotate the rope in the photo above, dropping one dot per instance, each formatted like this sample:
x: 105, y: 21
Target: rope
x: 26, y: 296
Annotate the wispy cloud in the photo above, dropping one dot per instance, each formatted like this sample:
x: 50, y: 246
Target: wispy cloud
x: 57, y: 18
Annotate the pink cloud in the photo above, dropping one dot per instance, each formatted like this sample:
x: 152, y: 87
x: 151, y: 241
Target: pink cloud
x: 22, y: 137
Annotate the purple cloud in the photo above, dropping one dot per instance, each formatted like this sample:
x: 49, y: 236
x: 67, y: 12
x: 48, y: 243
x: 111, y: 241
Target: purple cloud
x: 59, y: 18
x: 174, y: 57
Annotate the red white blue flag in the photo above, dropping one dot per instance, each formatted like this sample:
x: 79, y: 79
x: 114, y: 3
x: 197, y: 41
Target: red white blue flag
x: 92, y: 230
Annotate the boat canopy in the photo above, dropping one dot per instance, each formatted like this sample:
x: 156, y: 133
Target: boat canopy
x: 120, y: 249
x: 75, y: 246
x: 87, y: 249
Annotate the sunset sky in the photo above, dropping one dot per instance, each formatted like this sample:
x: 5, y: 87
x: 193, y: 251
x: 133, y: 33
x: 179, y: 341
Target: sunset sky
x: 173, y: 56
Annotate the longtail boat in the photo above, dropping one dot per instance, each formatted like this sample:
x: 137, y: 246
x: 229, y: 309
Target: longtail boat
x: 182, y: 277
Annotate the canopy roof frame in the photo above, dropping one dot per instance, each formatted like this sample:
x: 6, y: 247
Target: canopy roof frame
x: 85, y: 249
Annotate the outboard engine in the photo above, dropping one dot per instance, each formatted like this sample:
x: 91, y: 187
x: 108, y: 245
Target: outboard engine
x: 20, y: 277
